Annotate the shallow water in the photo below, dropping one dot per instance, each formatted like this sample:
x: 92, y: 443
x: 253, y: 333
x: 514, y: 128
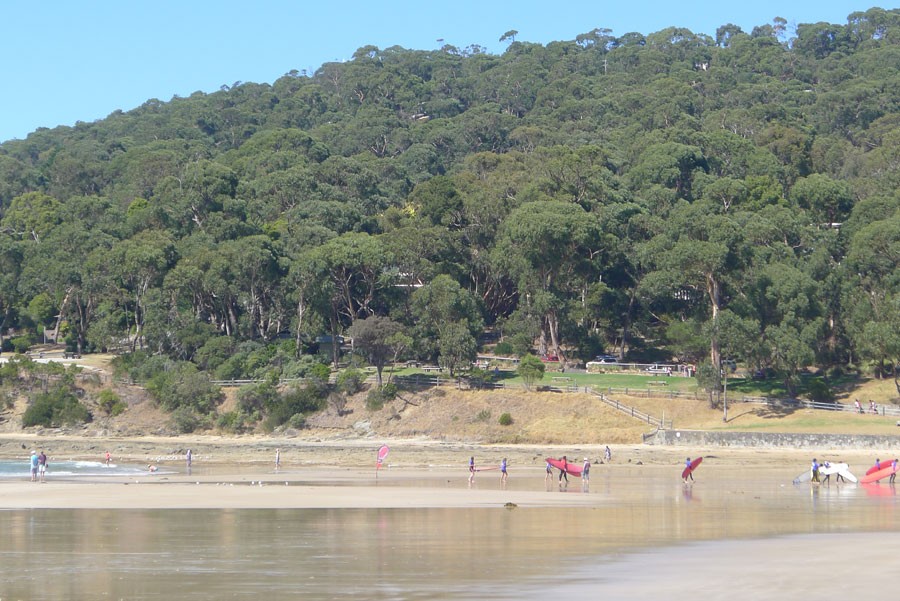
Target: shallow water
x: 71, y: 468
x: 640, y: 537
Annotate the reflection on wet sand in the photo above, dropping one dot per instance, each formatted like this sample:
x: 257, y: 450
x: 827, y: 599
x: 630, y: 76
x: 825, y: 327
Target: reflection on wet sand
x: 634, y: 523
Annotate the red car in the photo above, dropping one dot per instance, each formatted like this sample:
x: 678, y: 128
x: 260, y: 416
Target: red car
x: 549, y: 358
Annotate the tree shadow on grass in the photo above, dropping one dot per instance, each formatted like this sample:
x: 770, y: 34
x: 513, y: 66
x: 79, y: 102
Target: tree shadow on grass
x: 776, y: 411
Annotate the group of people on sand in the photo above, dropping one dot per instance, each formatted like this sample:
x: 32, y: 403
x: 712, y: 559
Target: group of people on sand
x: 503, y: 473
x: 38, y: 464
x: 563, y: 471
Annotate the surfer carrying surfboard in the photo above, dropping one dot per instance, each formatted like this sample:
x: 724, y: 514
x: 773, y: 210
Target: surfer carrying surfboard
x: 562, y: 470
x: 690, y: 474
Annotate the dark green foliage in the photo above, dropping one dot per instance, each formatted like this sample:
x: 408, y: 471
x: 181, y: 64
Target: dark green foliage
x: 505, y: 419
x: 350, y: 381
x: 657, y: 194
x: 819, y: 391
x: 298, y: 400
x: 531, y: 369
x: 110, y: 403
x: 56, y: 408
x: 503, y: 349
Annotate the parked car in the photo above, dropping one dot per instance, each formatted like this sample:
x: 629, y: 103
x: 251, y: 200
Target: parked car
x: 549, y: 358
x: 606, y: 360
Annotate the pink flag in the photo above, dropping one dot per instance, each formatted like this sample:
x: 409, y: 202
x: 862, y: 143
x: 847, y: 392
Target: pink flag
x: 382, y: 453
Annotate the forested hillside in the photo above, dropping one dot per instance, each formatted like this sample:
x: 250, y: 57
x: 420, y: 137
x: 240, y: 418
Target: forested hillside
x: 662, y: 195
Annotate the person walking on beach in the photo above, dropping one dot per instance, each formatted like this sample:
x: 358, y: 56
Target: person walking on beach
x: 562, y: 470
x: 42, y: 465
x: 277, y: 458
x: 691, y: 473
x: 608, y: 454
x: 894, y: 475
x: 503, y: 474
x: 814, y: 470
x: 187, y: 458
x: 548, y: 475
x: 586, y: 471
x: 471, y: 469
x: 107, y: 459
x: 34, y: 466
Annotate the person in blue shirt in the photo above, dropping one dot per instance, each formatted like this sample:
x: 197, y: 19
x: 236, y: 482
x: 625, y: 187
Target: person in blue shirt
x: 503, y: 474
x: 894, y: 475
x: 687, y: 463
x: 548, y: 476
x: 34, y: 466
x: 814, y: 470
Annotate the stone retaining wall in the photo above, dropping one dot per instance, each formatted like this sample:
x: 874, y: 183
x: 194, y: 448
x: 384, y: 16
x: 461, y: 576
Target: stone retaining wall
x: 772, y: 440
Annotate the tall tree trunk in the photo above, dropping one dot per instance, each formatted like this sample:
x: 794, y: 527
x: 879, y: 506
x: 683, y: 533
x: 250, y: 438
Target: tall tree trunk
x: 712, y: 287
x: 62, y: 309
x: 626, y: 325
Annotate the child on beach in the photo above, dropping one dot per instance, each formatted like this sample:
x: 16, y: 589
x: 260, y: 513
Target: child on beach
x: 608, y: 455
x: 894, y: 475
x: 549, y: 474
x: 277, y: 458
x: 690, y: 474
x: 107, y: 459
x: 471, y: 469
x: 503, y: 474
x: 586, y: 470
x: 814, y: 470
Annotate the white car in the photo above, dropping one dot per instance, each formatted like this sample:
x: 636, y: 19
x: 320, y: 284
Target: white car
x: 605, y: 360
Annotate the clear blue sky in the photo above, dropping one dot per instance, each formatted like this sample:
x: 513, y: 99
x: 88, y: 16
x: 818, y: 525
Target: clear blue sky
x: 65, y: 61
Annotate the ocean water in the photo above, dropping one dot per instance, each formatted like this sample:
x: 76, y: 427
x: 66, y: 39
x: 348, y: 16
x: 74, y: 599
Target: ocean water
x: 70, y: 469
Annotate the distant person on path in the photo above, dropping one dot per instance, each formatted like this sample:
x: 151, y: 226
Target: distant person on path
x: 857, y: 405
x: 471, y: 469
x: 107, y: 459
x: 608, y: 454
x: 872, y: 406
x: 34, y: 466
x: 814, y: 470
x: 42, y: 465
x: 503, y: 474
x: 562, y: 470
x: 277, y: 458
x: 586, y: 471
x: 690, y: 475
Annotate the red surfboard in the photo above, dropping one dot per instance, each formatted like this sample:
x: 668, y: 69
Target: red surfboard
x: 688, y: 469
x: 884, y: 472
x: 569, y: 468
x: 878, y: 467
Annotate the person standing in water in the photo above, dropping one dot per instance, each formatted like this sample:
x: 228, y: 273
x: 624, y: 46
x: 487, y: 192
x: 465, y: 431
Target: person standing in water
x: 277, y: 458
x: 34, y: 466
x: 187, y: 458
x: 586, y: 471
x: 471, y: 469
x: 691, y: 473
x: 42, y: 465
x: 608, y: 454
x: 107, y: 459
x: 503, y: 474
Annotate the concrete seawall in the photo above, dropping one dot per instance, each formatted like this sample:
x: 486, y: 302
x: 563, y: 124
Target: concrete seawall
x: 772, y: 440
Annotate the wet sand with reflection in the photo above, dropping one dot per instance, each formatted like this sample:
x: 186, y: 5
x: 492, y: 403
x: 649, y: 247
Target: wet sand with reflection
x: 422, y: 533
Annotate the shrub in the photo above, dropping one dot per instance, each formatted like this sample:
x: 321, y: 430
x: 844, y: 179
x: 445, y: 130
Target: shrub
x: 338, y: 402
x: 504, y: 349
x: 184, y: 420
x: 531, y: 369
x: 231, y: 421
x: 55, y: 408
x: 297, y: 421
x: 350, y: 381
x: 390, y: 391
x: 819, y: 391
x: 111, y: 403
x: 21, y: 344
x: 483, y: 415
x: 375, y: 400
x: 505, y: 419
x: 293, y: 402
